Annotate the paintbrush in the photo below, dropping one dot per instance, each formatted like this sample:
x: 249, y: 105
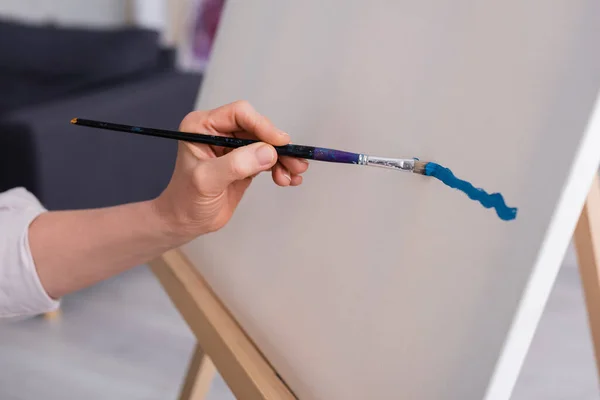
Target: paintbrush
x: 432, y: 169
x: 290, y: 150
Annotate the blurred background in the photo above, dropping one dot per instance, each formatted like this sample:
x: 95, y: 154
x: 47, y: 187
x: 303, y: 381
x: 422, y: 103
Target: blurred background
x: 141, y: 62
x: 133, y: 62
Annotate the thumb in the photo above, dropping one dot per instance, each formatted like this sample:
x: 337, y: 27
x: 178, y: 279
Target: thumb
x: 216, y: 174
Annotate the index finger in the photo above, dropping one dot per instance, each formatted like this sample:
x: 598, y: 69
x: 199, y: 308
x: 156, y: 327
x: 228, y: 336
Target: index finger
x: 240, y: 115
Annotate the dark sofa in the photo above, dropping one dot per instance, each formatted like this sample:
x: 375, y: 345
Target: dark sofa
x: 50, y: 75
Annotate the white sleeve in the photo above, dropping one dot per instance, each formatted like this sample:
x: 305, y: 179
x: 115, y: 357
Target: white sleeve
x: 21, y: 292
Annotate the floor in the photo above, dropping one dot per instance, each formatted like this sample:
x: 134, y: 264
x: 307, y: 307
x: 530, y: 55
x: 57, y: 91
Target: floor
x: 149, y: 347
x: 121, y: 339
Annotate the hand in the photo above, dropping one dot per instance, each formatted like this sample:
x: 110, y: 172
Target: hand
x: 209, y: 181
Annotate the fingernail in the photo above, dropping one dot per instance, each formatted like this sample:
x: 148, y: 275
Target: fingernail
x: 287, y: 175
x: 285, y: 134
x: 265, y: 155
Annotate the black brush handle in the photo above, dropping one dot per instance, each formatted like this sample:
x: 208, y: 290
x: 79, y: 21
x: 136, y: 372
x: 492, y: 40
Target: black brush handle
x: 290, y: 150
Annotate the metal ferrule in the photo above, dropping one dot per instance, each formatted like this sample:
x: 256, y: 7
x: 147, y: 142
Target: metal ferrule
x: 402, y: 164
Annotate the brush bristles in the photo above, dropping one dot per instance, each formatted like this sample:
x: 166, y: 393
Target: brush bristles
x: 419, y: 167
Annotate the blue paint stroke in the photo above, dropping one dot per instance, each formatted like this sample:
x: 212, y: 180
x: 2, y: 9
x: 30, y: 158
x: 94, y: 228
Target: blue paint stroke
x: 494, y: 200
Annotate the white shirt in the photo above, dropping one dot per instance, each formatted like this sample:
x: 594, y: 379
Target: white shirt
x: 21, y: 292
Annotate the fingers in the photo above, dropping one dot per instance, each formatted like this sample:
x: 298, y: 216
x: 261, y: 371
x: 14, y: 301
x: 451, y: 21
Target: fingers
x: 240, y: 119
x: 283, y: 177
x: 296, y: 180
x: 214, y: 175
x: 287, y: 171
x: 296, y: 166
x: 240, y: 115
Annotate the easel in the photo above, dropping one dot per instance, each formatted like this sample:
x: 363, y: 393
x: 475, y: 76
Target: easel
x: 223, y: 346
x: 221, y: 341
x: 587, y: 244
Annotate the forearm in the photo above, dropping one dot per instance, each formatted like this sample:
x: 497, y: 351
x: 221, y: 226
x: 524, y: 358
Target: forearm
x: 76, y: 249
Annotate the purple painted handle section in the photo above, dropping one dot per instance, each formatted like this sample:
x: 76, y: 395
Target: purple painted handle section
x: 336, y: 156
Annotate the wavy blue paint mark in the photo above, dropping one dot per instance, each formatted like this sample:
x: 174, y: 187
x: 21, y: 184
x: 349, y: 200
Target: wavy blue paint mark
x: 494, y: 200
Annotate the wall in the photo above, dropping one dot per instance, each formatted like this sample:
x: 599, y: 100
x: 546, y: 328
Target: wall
x: 67, y: 12
x: 167, y: 16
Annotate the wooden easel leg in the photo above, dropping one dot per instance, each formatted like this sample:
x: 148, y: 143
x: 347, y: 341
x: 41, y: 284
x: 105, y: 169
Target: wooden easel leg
x: 243, y: 367
x: 200, y: 374
x: 52, y: 314
x: 587, y: 243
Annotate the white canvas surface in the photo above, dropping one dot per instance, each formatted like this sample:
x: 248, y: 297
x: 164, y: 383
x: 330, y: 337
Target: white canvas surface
x: 365, y: 283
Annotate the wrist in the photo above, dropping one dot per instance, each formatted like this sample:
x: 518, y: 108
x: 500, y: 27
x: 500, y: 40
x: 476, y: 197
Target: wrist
x: 171, y: 225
